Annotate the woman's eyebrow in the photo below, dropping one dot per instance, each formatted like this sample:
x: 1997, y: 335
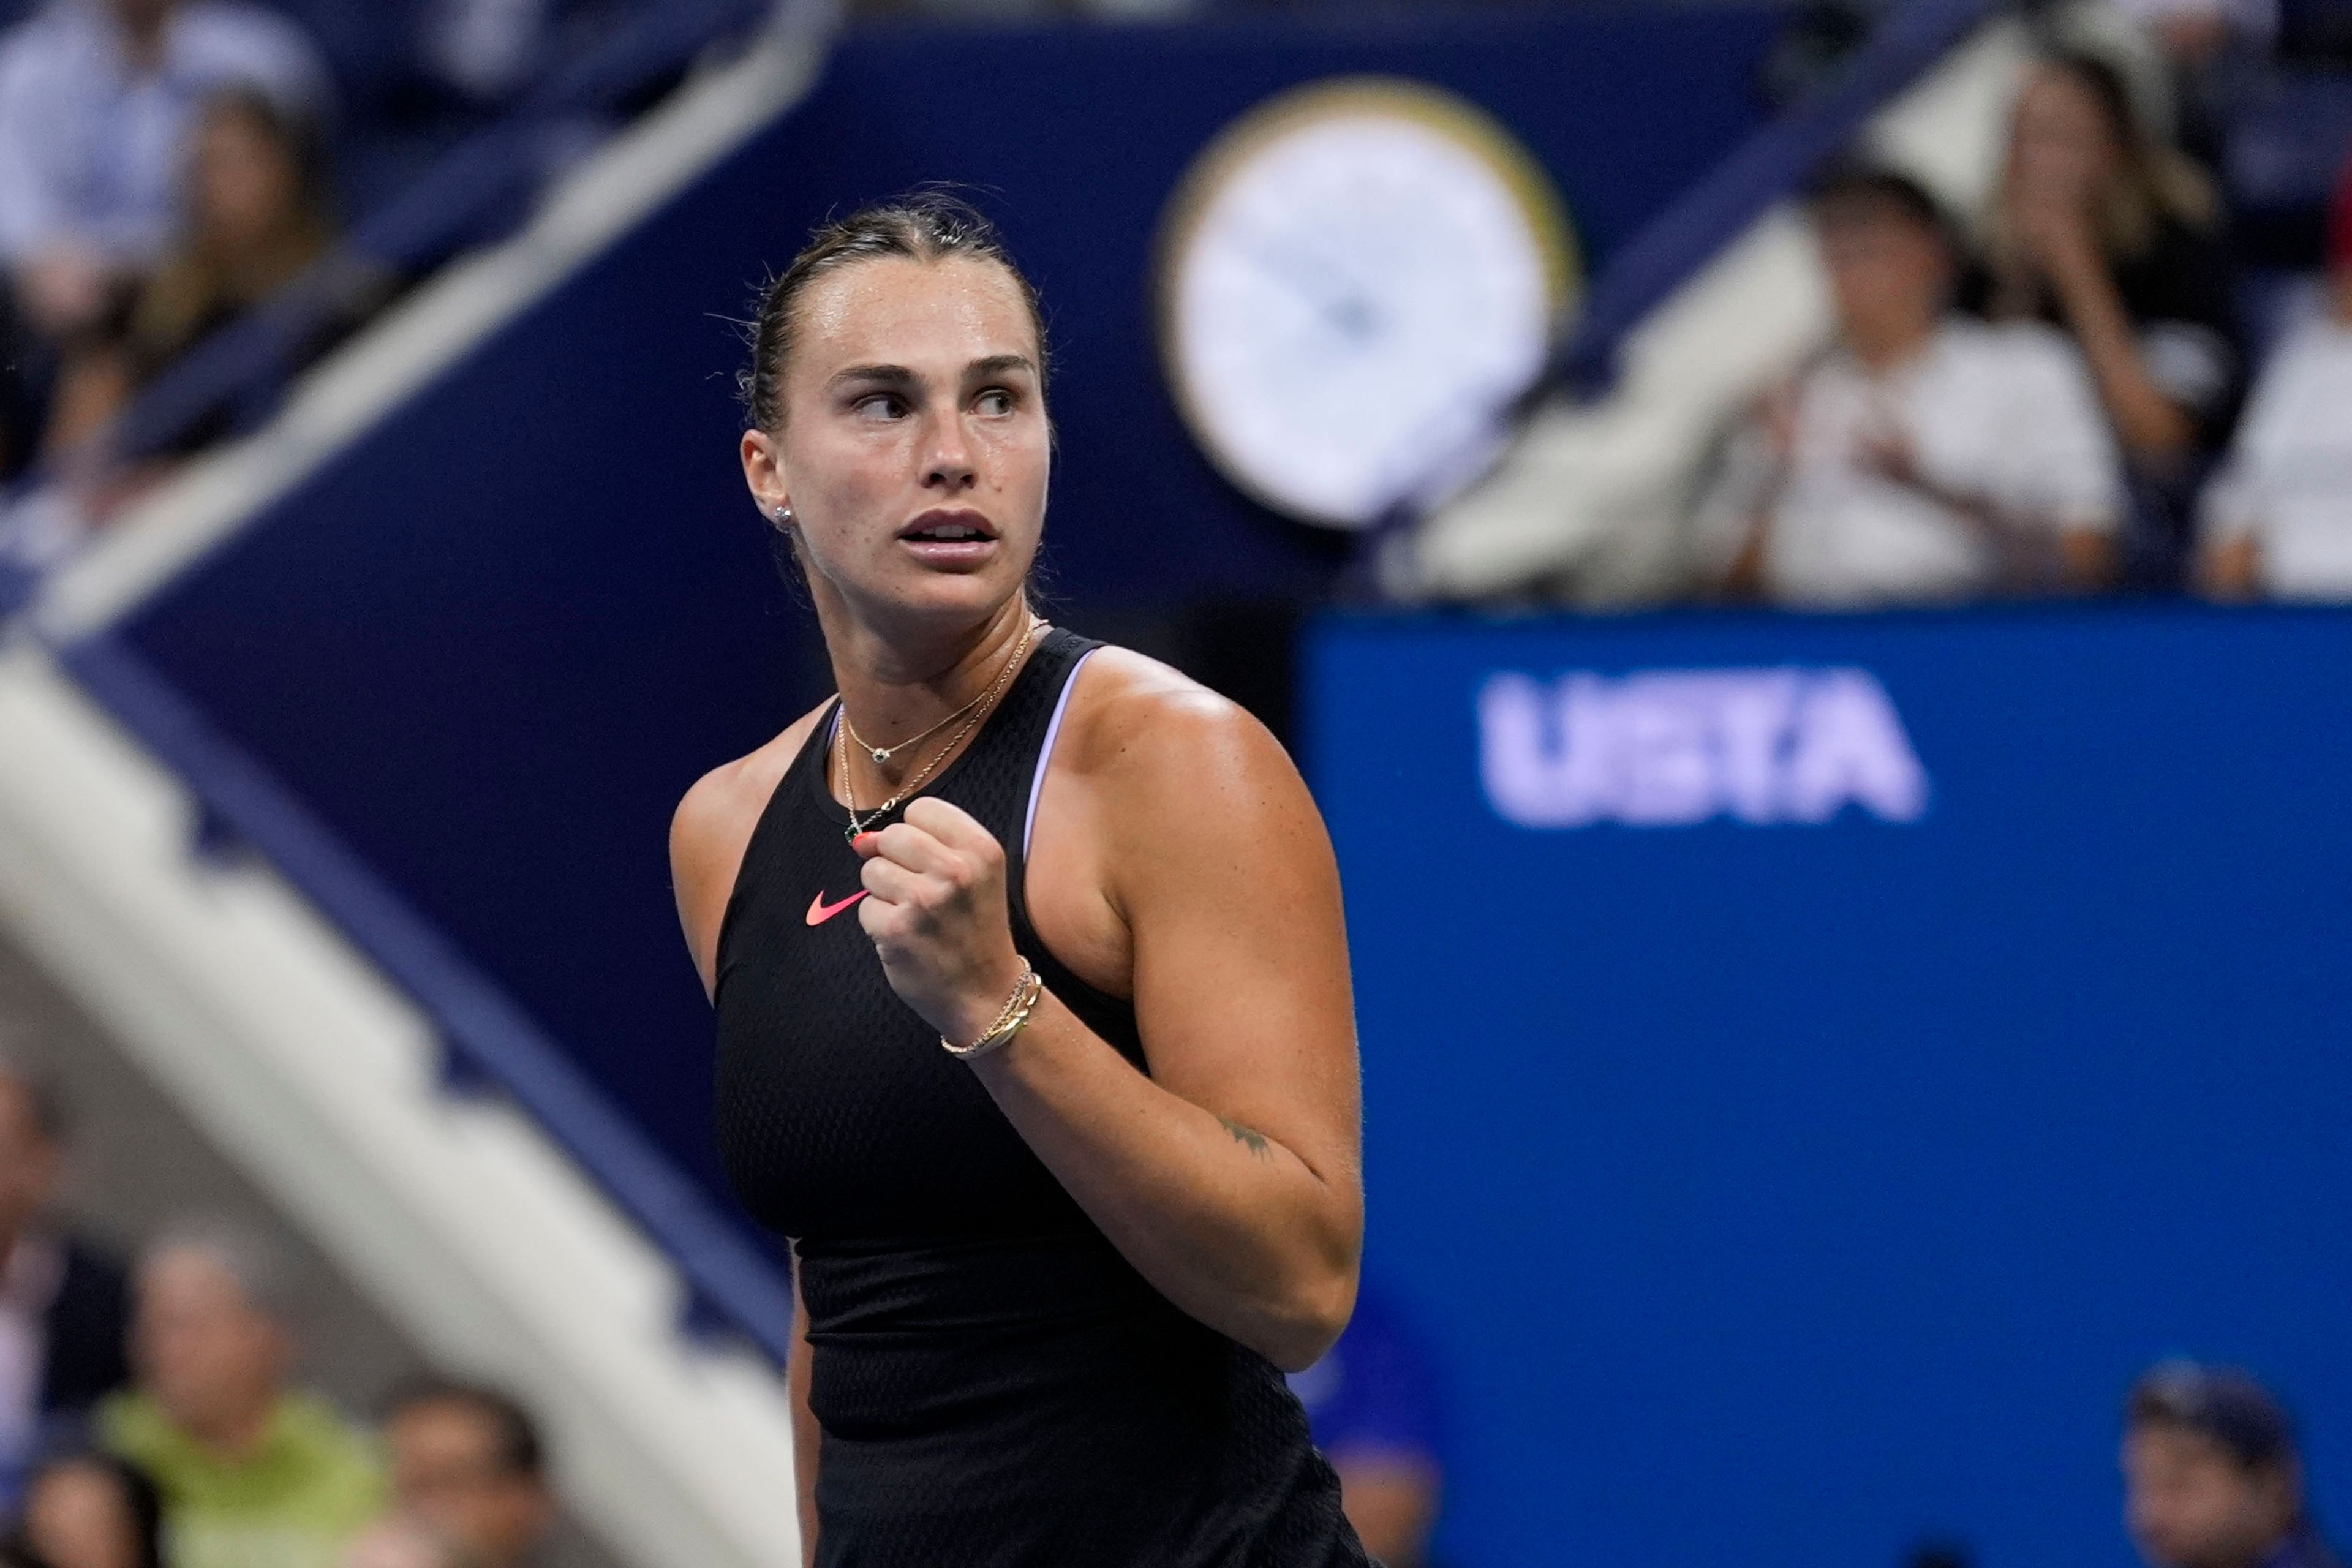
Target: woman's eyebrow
x: 999, y: 365
x: 893, y: 375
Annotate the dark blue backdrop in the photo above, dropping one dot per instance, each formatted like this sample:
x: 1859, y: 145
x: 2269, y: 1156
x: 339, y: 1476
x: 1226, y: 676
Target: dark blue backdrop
x: 1782, y: 1194
x: 493, y: 644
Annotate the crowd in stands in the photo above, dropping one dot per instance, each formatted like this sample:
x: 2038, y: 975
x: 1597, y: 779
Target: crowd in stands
x: 161, y: 169
x: 168, y: 166
x: 152, y: 1416
x: 2066, y: 394
x: 2056, y: 398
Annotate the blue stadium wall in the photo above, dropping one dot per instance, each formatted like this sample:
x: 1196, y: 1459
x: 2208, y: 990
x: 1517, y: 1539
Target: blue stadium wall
x: 1813, y: 1064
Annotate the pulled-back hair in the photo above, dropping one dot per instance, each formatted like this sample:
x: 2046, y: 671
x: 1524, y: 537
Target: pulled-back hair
x: 927, y: 224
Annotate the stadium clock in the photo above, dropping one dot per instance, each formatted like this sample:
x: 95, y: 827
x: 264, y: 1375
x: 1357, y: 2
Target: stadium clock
x: 1351, y: 278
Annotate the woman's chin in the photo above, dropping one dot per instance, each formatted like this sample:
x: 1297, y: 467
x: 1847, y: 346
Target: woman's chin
x: 939, y: 596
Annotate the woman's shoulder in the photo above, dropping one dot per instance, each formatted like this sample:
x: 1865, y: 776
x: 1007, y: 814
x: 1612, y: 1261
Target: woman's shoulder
x: 714, y: 821
x: 1129, y: 710
x: 1151, y: 739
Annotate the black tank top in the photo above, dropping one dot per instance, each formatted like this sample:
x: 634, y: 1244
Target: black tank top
x: 996, y: 1385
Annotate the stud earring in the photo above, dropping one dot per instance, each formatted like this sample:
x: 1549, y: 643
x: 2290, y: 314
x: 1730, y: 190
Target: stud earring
x: 783, y: 517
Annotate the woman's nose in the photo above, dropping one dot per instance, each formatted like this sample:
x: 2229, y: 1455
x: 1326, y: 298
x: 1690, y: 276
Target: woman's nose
x: 949, y: 461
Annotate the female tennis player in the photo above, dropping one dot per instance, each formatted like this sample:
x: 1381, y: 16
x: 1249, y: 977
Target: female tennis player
x: 1034, y: 1033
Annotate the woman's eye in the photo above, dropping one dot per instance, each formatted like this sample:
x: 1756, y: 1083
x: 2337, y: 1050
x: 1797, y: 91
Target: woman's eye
x: 996, y: 400
x: 883, y: 405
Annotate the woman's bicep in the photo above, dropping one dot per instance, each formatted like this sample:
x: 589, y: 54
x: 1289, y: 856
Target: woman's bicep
x: 1242, y: 990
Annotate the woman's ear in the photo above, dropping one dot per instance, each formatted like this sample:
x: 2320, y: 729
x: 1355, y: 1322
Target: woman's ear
x: 764, y: 474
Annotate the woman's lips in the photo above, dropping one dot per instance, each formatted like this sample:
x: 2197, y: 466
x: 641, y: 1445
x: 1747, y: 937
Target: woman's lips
x: 954, y: 539
x: 949, y: 553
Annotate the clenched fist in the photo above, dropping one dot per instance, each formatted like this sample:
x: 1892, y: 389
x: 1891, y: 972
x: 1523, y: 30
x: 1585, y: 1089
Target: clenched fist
x: 937, y: 914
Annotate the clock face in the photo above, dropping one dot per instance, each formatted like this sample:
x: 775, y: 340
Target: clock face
x: 1353, y: 279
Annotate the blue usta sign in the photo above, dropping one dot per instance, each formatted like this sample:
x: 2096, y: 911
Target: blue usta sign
x: 1669, y: 748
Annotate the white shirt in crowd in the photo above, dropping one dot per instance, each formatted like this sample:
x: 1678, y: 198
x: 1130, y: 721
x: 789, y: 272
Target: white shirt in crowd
x: 90, y: 152
x: 2005, y: 415
x: 2288, y: 482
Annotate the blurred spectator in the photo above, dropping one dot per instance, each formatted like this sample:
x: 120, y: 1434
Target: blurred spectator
x: 1928, y: 457
x: 92, y: 1510
x: 64, y: 1305
x: 1373, y: 1401
x: 2211, y: 53
x: 96, y: 101
x: 2279, y: 519
x: 250, y: 1471
x: 257, y: 216
x: 468, y: 1470
x: 2212, y: 1475
x: 2104, y: 230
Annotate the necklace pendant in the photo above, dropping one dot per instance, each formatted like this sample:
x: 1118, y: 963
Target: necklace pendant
x: 882, y: 754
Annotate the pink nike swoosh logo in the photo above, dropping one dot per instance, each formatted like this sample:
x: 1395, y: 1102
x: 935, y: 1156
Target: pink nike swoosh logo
x: 820, y: 912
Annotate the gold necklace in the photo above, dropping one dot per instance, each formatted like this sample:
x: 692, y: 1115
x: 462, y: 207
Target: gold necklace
x: 884, y: 754
x: 994, y: 690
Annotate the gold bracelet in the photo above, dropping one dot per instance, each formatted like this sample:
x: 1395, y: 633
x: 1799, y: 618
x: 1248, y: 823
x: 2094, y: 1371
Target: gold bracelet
x: 1020, y: 982
x: 1017, y: 1008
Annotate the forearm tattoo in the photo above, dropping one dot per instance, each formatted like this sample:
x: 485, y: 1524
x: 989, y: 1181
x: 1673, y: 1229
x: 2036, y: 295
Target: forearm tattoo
x: 1249, y: 1137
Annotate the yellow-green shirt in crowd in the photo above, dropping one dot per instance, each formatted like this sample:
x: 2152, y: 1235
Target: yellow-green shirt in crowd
x: 296, y: 1501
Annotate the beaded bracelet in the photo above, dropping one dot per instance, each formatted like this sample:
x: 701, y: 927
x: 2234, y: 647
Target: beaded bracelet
x: 1017, y: 1008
